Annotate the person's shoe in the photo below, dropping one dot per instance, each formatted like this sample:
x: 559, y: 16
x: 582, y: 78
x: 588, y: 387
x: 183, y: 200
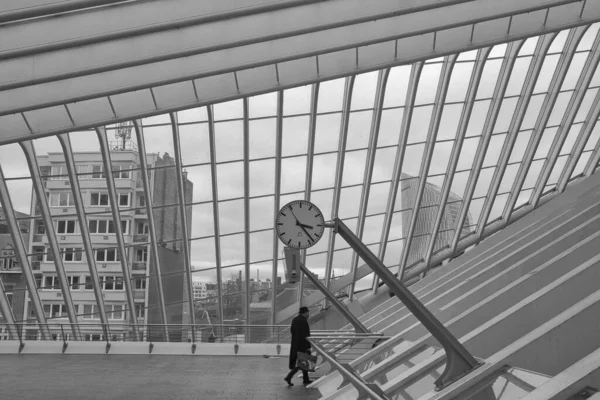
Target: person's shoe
x: 289, y: 381
x: 306, y: 383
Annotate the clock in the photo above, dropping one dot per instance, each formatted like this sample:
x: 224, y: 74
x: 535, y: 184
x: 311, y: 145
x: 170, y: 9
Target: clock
x: 300, y: 224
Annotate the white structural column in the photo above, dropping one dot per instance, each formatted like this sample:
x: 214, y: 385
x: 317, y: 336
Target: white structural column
x: 411, y: 94
x: 40, y: 194
x: 310, y: 158
x: 586, y: 130
x: 434, y: 124
x: 531, y: 78
x: 339, y: 171
x: 187, y: 263
x: 215, y: 204
x: 566, y: 123
x: 88, y: 247
x: 21, y: 251
x: 246, y: 146
x: 276, y: 203
x: 465, y: 117
x: 541, y: 122
x: 114, y: 207
x: 154, y: 257
x: 504, y: 76
x: 382, y: 79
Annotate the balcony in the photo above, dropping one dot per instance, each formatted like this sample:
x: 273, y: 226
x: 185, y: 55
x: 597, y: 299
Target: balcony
x: 140, y: 238
x: 139, y: 265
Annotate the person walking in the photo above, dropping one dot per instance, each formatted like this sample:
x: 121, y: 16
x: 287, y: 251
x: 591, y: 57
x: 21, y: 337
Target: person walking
x: 300, y: 330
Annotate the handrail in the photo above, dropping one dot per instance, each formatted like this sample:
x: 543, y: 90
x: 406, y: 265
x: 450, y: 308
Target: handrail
x: 365, y: 389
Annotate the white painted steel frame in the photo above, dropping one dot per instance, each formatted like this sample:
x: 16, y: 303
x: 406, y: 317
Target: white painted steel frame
x: 88, y: 247
x: 434, y: 124
x: 508, y: 63
x: 541, y: 122
x: 187, y: 263
x: 114, y: 208
x: 411, y: 94
x: 382, y: 79
x: 21, y: 252
x: 42, y: 200
x: 276, y: 203
x: 247, y: 250
x: 533, y: 72
x: 141, y: 142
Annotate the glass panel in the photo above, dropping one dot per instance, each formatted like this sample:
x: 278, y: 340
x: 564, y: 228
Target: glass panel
x: 428, y: 84
x: 412, y: 160
x: 478, y: 116
x: 363, y: 93
x: 325, y: 165
x: 440, y: 158
x: 483, y: 182
x: 359, y: 129
x: 557, y: 170
x: 192, y: 115
x: 231, y: 216
x: 507, y: 110
x: 558, y: 43
x: 262, y: 213
x: 489, y: 78
x: 389, y: 127
x: 232, y: 250
x: 378, y: 197
x: 467, y: 155
x: 510, y: 173
x: 262, y: 178
x: 517, y: 77
x: 201, y: 178
x: 295, y: 136
x: 588, y: 99
x: 354, y: 167
x: 229, y: 141
x: 349, y: 202
x: 520, y: 146
x: 293, y: 174
x: 459, y: 82
x: 383, y: 167
x: 230, y: 180
x: 581, y: 163
x: 228, y: 110
x: 159, y: 139
x: 533, y: 110
x: 264, y: 105
x: 559, y: 108
x: 331, y: 95
x: 397, y: 85
x: 569, y: 142
x: 202, y: 220
x: 195, y: 147
x: 546, y: 73
x: 574, y: 71
x: 327, y: 132
x: 449, y: 122
x: 494, y: 149
x: 297, y: 100
x: 419, y: 124
x: 498, y: 50
x: 545, y: 143
x: 262, y: 138
x: 528, y: 47
x: 261, y: 246
x: 593, y: 139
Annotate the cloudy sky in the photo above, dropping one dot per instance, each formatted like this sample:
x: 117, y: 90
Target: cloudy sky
x: 194, y: 139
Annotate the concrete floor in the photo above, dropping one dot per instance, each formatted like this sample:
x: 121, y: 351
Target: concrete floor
x: 147, y: 377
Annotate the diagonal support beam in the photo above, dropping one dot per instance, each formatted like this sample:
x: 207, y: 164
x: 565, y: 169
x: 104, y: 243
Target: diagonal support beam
x: 40, y: 194
x: 114, y: 207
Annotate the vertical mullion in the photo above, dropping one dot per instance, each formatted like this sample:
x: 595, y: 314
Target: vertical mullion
x: 114, y: 207
x: 565, y: 125
x: 411, y: 93
x: 369, y: 165
x: 310, y: 157
x: 584, y: 135
x: 339, y: 172
x: 533, y: 73
x: 558, y: 77
x: 184, y: 222
x: 65, y: 142
x: 40, y: 193
x: 247, y: 209
x: 276, y: 202
x: 456, y: 149
x: 151, y: 226
x: 434, y: 125
x: 490, y: 122
x: 215, y: 204
x: 594, y: 159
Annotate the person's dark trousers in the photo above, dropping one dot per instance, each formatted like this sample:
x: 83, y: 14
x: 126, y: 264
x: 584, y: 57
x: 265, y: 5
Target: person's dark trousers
x: 292, y: 372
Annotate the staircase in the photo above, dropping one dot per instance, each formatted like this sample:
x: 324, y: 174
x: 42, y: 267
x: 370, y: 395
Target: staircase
x: 542, y: 271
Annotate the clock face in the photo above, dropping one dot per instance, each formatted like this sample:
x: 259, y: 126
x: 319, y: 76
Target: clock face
x: 300, y: 224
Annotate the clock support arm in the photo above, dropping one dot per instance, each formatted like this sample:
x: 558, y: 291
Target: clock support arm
x: 459, y: 362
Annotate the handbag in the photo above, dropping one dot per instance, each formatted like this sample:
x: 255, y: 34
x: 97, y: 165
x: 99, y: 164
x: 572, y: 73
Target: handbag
x: 306, y: 362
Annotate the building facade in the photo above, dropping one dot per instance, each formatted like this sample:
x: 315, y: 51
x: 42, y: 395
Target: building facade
x: 134, y: 222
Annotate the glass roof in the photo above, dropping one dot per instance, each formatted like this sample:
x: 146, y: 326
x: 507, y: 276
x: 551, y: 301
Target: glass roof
x: 422, y: 161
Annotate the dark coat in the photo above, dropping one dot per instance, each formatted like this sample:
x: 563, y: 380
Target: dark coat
x: 300, y: 331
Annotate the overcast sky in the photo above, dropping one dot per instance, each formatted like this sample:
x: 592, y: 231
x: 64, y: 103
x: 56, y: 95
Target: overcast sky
x: 229, y: 151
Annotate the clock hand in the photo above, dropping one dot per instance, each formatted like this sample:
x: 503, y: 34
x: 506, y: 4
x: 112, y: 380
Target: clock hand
x: 302, y: 225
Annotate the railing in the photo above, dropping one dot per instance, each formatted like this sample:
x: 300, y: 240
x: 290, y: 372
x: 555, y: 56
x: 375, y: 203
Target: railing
x: 365, y: 389
x: 347, y: 346
x: 123, y: 332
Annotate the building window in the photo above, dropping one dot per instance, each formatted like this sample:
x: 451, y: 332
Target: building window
x: 101, y: 226
x: 116, y: 312
x: 82, y: 171
x: 51, y: 283
x: 38, y: 281
x: 121, y: 171
x: 142, y: 228
x: 140, y: 310
x: 74, y: 282
x: 99, y: 199
x: 71, y: 254
x: 55, y: 310
x: 98, y: 172
x: 141, y: 255
x: 106, y: 255
x: 88, y: 283
x: 140, y: 283
x: 88, y: 311
x: 123, y: 199
x: 63, y: 227
x: 61, y: 199
x: 59, y: 172
x: 7, y: 261
x: 39, y: 228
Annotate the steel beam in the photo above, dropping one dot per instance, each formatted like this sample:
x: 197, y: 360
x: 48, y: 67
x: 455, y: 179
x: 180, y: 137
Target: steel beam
x: 458, y: 360
x: 276, y: 202
x: 184, y: 223
x: 88, y: 247
x: 339, y: 172
x: 21, y: 251
x: 583, y: 83
x: 310, y: 157
x: 531, y: 78
x: 246, y: 146
x: 51, y: 9
x: 141, y: 142
x: 434, y: 124
x: 593, y: 161
x: 114, y: 207
x: 382, y: 79
x: 541, y: 122
x: 586, y: 131
x: 40, y: 194
x: 411, y: 94
x: 215, y: 204
x: 465, y: 117
x: 490, y: 121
